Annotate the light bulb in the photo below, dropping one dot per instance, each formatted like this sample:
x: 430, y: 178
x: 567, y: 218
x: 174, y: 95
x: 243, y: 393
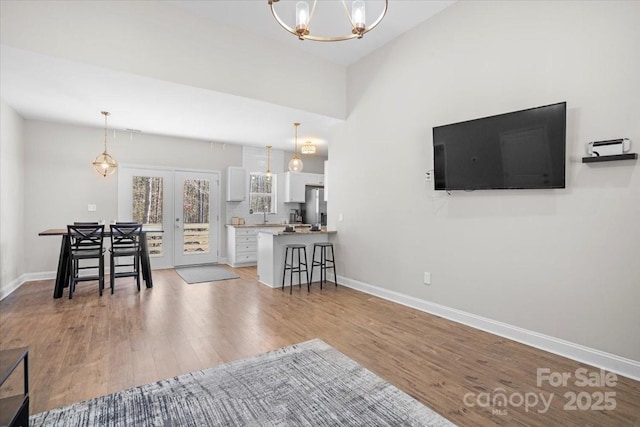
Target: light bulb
x: 358, y: 17
x: 302, y: 17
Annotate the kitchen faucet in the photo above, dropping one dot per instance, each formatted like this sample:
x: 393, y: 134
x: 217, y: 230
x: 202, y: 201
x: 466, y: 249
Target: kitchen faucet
x: 264, y: 214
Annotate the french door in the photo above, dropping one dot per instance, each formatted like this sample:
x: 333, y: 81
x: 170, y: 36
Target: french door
x: 196, y: 218
x: 185, y: 205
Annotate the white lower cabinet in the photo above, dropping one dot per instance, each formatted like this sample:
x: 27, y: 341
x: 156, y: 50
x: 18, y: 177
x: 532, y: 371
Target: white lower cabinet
x: 242, y: 246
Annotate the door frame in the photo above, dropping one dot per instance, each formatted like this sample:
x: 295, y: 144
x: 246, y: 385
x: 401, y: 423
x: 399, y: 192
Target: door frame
x: 167, y: 172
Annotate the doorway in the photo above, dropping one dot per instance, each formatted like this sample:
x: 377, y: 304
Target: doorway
x: 185, y: 204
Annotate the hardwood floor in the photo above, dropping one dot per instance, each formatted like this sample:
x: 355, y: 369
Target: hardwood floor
x: 91, y: 345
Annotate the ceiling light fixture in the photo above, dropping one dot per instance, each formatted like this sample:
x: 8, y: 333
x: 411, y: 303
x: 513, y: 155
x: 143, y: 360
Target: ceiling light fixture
x: 295, y: 164
x: 104, y: 164
x: 303, y: 21
x: 308, y: 148
x: 268, y: 172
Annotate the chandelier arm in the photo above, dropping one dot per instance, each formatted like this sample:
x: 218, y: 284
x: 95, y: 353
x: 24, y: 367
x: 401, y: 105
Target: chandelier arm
x: 313, y: 9
x: 328, y: 39
x: 346, y: 9
x: 377, y: 21
x: 280, y: 21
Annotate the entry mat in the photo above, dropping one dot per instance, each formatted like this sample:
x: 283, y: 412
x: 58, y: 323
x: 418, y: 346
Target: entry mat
x: 204, y: 273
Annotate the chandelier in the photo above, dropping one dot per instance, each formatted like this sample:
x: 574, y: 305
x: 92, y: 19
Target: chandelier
x: 104, y: 164
x: 356, y: 19
x: 308, y: 148
x: 295, y: 164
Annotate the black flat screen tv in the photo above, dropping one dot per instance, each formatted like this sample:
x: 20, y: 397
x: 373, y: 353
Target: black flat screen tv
x: 519, y: 150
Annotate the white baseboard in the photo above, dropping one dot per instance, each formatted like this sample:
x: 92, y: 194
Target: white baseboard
x: 23, y: 278
x: 600, y: 359
x: 5, y: 291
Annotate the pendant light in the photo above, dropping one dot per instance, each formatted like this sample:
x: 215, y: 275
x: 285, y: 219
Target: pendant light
x: 268, y: 172
x: 104, y: 164
x: 295, y: 164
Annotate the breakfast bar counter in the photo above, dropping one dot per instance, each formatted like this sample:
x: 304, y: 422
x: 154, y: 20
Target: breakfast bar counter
x: 271, y: 245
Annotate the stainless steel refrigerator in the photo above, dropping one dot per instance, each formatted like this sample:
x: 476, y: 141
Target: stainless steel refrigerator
x: 315, y: 208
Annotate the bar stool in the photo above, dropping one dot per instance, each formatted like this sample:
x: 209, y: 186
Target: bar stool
x: 295, y: 268
x: 322, y: 263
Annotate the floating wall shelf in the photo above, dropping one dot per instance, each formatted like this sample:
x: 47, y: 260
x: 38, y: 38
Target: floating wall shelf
x: 628, y: 156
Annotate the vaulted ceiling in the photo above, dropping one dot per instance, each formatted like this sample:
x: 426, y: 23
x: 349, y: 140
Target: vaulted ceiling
x: 41, y: 82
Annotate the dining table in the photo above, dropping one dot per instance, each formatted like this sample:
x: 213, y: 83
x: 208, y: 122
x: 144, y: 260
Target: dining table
x: 63, y: 273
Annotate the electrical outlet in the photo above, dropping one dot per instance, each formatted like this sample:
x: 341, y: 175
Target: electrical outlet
x: 428, y: 176
x: 427, y: 278
x: 340, y: 217
x: 91, y: 208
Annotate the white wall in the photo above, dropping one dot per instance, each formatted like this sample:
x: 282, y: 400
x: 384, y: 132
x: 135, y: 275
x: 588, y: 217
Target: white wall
x: 60, y: 181
x: 159, y: 40
x: 11, y: 199
x: 564, y: 263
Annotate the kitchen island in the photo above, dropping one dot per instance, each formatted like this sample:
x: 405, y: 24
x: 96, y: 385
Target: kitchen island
x: 271, y: 245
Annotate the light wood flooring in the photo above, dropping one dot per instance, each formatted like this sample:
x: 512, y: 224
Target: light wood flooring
x: 91, y: 345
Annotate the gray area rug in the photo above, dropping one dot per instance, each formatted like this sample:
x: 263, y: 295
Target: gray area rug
x: 307, y: 384
x: 204, y: 273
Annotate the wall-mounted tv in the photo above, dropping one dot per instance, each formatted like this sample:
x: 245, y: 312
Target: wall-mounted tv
x: 522, y: 149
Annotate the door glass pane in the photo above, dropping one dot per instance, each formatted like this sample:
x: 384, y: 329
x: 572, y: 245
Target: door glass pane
x: 196, y: 216
x: 147, y: 208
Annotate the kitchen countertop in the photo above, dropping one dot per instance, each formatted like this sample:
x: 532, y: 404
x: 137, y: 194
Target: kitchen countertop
x: 298, y: 232
x: 268, y: 225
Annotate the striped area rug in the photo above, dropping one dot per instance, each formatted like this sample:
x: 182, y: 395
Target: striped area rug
x: 307, y: 384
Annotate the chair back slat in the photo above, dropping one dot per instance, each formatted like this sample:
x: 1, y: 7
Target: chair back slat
x: 125, y: 236
x: 86, y: 238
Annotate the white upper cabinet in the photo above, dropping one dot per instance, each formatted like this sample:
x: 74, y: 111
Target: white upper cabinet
x: 236, y: 184
x: 295, y: 182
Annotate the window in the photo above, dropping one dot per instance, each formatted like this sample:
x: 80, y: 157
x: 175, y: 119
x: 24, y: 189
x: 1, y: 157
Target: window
x: 262, y: 193
x: 147, y: 194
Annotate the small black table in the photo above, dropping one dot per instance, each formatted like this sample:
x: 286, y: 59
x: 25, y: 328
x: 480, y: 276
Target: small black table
x: 63, y: 274
x: 14, y: 410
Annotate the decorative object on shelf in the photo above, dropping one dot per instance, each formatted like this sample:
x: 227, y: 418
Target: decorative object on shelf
x: 308, y: 148
x: 268, y: 172
x: 295, y: 164
x: 609, y: 150
x: 303, y: 20
x: 609, y: 147
x: 105, y: 164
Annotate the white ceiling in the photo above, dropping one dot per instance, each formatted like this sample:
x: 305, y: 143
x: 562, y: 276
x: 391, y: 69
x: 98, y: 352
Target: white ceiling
x: 52, y: 89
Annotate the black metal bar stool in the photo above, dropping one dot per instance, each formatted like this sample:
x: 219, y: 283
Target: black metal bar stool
x: 322, y: 263
x: 295, y: 268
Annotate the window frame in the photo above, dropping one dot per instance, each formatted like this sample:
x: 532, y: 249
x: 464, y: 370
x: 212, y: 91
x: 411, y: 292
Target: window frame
x: 273, y: 208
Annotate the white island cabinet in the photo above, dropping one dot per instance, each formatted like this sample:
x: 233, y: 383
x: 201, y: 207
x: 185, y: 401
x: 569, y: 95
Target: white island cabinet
x: 271, y: 245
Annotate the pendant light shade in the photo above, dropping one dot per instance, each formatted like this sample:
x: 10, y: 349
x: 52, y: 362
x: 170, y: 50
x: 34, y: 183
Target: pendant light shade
x: 295, y: 164
x: 105, y: 164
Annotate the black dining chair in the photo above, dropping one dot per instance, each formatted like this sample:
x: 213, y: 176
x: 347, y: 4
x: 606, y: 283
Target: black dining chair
x: 125, y: 244
x: 86, y: 253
